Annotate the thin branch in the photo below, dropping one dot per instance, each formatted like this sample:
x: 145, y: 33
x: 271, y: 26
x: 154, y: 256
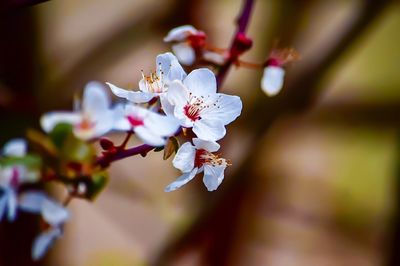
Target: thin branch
x: 105, y: 160
x: 242, y: 24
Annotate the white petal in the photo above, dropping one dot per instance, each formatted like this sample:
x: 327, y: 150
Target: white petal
x: 184, y: 158
x: 43, y: 242
x: 182, y: 180
x: 133, y: 96
x: 213, y: 176
x: 121, y: 123
x: 214, y: 57
x: 167, y: 107
x: 95, y: 98
x: 210, y: 146
x: 209, y: 129
x: 169, y: 68
x: 103, y: 122
x: 11, y: 205
x: 185, y: 53
x: 227, y: 108
x: 32, y: 201
x: 161, y: 125
x: 180, y: 33
x: 49, y: 120
x: 272, y: 80
x: 54, y: 213
x: 149, y: 137
x: 3, y: 204
x: 177, y: 94
x: 15, y: 147
x: 201, y: 82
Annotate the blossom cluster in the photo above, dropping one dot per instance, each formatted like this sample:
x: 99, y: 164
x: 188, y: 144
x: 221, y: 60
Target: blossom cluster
x: 169, y: 107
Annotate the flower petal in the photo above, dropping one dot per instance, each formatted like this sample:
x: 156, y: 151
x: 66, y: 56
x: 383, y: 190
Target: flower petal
x: 210, y: 146
x: 167, y: 107
x: 15, y: 147
x: 149, y: 137
x: 54, y: 213
x: 201, y: 82
x: 3, y: 204
x: 44, y: 241
x: 32, y: 201
x: 185, y: 53
x: 182, y: 180
x: 177, y: 94
x: 169, y: 67
x: 213, y: 57
x: 95, y: 98
x: 272, y: 80
x: 209, y: 129
x: 49, y: 120
x: 184, y: 158
x: 227, y: 108
x: 180, y: 33
x: 213, y: 176
x: 11, y: 205
x: 161, y: 125
x: 133, y: 96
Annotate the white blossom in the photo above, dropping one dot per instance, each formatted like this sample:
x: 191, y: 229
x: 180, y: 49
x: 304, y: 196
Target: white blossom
x: 54, y: 214
x: 187, y: 39
x: 12, y: 176
x: 272, y: 80
x: 197, y: 105
x: 151, y: 127
x: 93, y: 118
x: 154, y: 85
x: 194, y: 159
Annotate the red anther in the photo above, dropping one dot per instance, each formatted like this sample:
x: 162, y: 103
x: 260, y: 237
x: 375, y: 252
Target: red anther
x: 198, y: 40
x: 135, y: 121
x: 106, y: 144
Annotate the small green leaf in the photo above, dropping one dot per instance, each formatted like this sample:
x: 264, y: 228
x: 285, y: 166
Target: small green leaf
x: 98, y: 181
x: 30, y: 161
x: 60, y: 133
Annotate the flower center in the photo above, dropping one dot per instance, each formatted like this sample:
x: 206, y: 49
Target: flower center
x: 85, y: 123
x: 135, y: 121
x: 193, y: 109
x: 192, y: 112
x: 153, y: 82
x: 205, y: 157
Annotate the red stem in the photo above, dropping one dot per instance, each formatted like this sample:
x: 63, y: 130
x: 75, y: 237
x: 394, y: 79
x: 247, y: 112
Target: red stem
x: 105, y: 160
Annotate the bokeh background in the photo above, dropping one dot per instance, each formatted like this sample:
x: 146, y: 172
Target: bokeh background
x: 315, y: 175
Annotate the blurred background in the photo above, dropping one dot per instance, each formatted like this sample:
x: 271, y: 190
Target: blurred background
x: 315, y: 179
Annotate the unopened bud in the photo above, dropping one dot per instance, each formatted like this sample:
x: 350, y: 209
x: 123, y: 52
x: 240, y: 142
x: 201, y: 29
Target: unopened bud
x: 106, y: 144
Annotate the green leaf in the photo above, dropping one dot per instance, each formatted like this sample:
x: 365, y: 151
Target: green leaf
x: 98, y: 181
x: 71, y: 148
x: 60, y: 133
x: 30, y: 161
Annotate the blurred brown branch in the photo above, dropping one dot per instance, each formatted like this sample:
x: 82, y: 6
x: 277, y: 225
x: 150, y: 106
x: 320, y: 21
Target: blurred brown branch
x: 216, y: 224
